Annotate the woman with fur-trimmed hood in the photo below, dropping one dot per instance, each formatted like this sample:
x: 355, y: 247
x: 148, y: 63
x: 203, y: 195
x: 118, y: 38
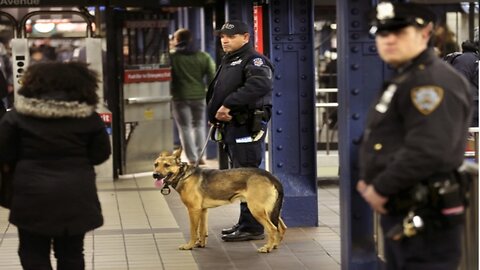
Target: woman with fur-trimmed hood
x: 54, y: 137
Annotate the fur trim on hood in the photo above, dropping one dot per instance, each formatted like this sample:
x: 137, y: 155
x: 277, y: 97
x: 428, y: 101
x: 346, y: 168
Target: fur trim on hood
x: 43, y: 108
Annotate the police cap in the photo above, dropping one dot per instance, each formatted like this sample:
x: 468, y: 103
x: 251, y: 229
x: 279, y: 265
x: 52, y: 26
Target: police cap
x: 388, y: 16
x: 231, y: 28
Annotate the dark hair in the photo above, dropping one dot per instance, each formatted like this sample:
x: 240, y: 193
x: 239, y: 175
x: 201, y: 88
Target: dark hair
x: 184, y: 41
x: 72, y: 81
x: 183, y: 36
x: 469, y: 46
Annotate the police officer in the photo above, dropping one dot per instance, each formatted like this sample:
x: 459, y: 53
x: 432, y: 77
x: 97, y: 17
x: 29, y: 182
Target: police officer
x: 239, y: 103
x: 415, y: 133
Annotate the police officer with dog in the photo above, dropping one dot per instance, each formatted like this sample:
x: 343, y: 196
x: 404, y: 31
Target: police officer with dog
x: 239, y: 105
x: 413, y: 143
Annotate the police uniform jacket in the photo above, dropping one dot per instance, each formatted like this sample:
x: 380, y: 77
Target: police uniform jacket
x: 55, y: 145
x: 243, y: 83
x: 417, y: 127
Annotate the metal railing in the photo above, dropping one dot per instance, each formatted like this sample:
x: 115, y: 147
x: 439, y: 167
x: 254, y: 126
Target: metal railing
x: 323, y: 123
x: 470, y: 237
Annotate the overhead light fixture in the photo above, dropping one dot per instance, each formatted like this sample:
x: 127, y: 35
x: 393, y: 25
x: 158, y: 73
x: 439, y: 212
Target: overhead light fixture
x: 44, y: 27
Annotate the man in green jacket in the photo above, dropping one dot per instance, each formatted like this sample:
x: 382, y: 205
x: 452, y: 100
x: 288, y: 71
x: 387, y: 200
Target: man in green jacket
x: 192, y: 71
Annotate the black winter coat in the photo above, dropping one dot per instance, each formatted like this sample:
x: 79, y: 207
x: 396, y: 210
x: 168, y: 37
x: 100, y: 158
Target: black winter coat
x: 55, y: 145
x: 243, y: 83
x: 417, y: 128
x: 467, y: 64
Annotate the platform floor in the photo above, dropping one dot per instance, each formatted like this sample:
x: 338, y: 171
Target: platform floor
x: 144, y: 228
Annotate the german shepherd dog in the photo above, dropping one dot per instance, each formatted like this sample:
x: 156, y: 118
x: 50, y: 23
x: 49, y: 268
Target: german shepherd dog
x: 201, y: 189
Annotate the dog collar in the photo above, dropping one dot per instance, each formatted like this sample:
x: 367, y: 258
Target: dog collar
x: 184, y: 168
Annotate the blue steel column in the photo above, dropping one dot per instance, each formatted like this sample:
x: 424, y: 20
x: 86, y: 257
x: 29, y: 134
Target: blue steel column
x: 360, y: 73
x: 195, y: 25
x: 209, y: 44
x: 239, y: 10
x: 292, y: 133
x: 191, y: 18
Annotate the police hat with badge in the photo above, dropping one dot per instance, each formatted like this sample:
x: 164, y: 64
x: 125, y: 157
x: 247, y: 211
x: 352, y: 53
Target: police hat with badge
x: 390, y: 17
x: 231, y: 28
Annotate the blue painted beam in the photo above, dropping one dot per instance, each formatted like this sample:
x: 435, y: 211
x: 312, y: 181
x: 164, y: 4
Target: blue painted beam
x: 292, y: 134
x: 239, y: 10
x: 360, y: 75
x: 209, y: 44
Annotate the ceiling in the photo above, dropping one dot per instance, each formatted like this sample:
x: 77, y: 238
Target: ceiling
x: 333, y: 2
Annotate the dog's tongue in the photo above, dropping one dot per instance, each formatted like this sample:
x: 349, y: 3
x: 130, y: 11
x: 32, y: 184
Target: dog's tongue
x: 159, y: 183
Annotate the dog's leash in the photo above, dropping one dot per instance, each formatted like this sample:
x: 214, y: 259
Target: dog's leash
x: 210, y: 131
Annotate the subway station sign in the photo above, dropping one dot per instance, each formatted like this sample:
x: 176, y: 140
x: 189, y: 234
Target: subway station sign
x: 50, y: 3
x: 118, y: 3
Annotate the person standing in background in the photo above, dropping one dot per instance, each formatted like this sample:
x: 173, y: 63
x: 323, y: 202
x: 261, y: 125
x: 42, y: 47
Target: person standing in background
x: 6, y: 69
x: 444, y: 40
x: 192, y: 70
x: 54, y: 137
x: 466, y: 62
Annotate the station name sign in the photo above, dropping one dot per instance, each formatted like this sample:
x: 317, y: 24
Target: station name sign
x: 52, y: 3
x: 120, y: 3
x: 19, y: 2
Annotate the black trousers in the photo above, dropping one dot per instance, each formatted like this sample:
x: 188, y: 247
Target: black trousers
x: 34, y: 251
x: 246, y: 155
x: 432, y: 249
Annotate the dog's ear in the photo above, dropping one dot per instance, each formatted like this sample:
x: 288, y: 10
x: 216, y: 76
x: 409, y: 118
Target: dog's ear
x: 177, y: 152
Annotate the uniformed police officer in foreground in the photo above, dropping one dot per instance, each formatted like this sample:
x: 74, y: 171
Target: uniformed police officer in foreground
x: 413, y: 143
x: 239, y: 104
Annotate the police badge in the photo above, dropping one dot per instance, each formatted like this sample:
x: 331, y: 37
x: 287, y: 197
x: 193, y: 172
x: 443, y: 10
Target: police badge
x: 426, y: 98
x: 385, y: 11
x: 258, y: 62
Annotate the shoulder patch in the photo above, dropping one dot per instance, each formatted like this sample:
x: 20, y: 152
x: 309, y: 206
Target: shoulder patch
x: 426, y: 98
x: 258, y: 61
x: 237, y: 62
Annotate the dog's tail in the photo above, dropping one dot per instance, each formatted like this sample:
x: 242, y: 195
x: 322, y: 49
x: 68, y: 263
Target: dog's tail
x: 275, y: 214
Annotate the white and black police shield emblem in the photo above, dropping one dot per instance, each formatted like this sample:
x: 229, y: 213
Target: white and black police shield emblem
x: 258, y: 62
x: 426, y: 98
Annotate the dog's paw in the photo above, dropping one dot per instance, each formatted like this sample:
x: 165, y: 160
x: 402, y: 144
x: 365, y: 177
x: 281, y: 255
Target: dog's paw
x: 186, y: 247
x: 264, y: 249
x: 199, y: 244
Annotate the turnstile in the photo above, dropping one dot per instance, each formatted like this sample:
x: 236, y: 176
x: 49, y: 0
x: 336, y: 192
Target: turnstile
x: 147, y: 117
x: 147, y: 122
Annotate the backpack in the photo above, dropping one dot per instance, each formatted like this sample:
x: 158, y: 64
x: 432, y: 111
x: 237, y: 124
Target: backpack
x: 449, y: 58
